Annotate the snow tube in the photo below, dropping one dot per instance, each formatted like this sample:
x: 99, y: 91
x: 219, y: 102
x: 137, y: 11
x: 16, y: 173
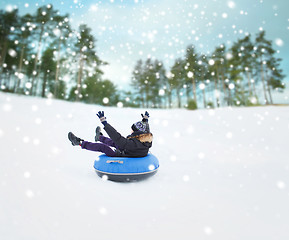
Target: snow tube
x: 124, y: 169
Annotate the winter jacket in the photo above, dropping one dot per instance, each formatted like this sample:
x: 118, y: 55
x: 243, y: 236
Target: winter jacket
x: 135, y: 145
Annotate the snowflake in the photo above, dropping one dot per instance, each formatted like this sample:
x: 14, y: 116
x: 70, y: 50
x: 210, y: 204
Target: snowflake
x: 105, y: 100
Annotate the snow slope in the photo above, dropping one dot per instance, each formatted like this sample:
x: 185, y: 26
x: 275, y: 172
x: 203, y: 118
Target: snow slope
x: 224, y: 174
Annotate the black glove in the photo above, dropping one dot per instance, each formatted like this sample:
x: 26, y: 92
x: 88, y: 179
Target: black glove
x: 145, y: 118
x: 102, y: 118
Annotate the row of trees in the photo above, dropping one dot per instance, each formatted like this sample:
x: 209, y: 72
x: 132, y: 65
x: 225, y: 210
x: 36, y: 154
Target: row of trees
x: 244, y: 74
x: 41, y: 55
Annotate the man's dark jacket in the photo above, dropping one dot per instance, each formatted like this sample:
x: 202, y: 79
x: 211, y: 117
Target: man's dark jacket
x: 135, y: 145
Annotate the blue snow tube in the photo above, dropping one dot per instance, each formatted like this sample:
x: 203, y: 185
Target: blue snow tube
x: 124, y: 169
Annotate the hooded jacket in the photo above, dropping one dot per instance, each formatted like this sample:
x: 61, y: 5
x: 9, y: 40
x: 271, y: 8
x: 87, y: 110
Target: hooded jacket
x: 135, y: 145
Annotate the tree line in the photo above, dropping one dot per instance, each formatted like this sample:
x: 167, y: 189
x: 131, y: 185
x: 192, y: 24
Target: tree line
x: 243, y: 75
x: 41, y: 55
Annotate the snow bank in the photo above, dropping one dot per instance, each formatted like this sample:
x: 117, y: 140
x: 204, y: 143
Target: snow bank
x: 223, y: 174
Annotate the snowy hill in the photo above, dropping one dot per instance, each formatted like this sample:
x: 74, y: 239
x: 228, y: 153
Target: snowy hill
x: 224, y: 174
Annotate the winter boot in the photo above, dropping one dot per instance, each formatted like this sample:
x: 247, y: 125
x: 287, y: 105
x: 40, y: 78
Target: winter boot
x: 74, y: 140
x: 97, y: 133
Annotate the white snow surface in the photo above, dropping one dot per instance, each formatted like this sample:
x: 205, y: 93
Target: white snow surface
x: 224, y: 174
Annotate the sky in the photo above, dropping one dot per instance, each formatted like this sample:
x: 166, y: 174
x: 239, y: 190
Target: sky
x: 127, y: 31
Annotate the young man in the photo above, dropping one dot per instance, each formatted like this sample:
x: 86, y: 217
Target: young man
x: 135, y: 145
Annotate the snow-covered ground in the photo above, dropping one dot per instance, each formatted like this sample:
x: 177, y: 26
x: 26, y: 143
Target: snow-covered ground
x: 224, y: 174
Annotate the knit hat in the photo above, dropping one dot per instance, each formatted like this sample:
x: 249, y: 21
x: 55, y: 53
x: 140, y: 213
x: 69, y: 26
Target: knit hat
x: 141, y: 126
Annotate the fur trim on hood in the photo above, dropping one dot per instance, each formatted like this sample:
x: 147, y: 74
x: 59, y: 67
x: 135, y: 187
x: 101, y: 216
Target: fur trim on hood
x: 144, y: 137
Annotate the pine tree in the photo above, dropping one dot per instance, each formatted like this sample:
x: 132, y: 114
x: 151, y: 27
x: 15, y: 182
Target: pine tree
x: 157, y: 77
x: 236, y: 75
x: 8, y: 22
x: 44, y: 26
x: 204, y: 75
x: 24, y: 33
x: 138, y: 81
x: 96, y: 90
x: 274, y: 76
x: 161, y: 86
x: 265, y: 53
x: 192, y: 70
x: 178, y: 76
x: 63, y: 33
x: 219, y: 67
x: 47, y: 68
x: 85, y: 55
x: 149, y: 81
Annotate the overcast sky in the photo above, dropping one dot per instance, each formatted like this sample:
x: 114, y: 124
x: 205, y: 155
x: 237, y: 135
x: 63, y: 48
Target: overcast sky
x: 128, y: 30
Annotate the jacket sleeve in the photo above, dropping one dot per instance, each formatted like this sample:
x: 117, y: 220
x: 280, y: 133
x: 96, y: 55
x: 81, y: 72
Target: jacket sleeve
x: 117, y: 138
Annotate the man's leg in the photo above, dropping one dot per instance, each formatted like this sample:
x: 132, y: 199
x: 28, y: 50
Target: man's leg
x: 98, y: 147
x: 107, y: 141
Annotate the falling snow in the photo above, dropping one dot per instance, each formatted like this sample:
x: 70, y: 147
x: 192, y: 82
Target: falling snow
x: 163, y: 30
x: 213, y: 163
x: 222, y: 170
